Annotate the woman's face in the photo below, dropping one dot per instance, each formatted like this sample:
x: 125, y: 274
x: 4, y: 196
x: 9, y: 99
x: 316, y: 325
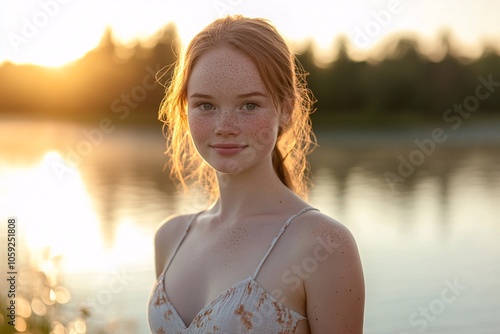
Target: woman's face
x: 231, y: 117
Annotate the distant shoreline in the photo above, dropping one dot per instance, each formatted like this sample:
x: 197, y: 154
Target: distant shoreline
x: 473, y: 131
x: 478, y: 132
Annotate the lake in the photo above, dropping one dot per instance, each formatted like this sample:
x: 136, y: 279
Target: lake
x: 424, y: 207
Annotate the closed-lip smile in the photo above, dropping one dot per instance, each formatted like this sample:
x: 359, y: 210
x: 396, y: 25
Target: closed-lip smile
x: 228, y: 148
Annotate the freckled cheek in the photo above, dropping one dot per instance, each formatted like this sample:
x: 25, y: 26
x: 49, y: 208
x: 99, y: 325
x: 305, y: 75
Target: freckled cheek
x: 264, y: 133
x: 199, y: 128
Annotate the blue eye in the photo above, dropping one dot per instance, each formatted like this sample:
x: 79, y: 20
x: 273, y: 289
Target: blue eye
x: 250, y: 106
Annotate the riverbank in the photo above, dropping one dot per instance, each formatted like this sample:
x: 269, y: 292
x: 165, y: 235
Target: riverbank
x: 474, y: 133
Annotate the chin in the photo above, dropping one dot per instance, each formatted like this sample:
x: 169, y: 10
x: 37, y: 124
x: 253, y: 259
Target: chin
x: 229, y: 166
x: 235, y: 165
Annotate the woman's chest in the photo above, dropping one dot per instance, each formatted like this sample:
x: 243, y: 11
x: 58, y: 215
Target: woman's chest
x: 204, y: 268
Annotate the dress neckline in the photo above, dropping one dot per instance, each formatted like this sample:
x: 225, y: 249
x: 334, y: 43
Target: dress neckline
x: 243, y: 282
x: 161, y: 278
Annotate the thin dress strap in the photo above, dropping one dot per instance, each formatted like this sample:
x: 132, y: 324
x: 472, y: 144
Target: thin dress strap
x: 182, y: 239
x: 275, y: 240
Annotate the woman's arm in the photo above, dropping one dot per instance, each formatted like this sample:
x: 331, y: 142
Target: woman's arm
x: 335, y: 292
x: 166, y: 239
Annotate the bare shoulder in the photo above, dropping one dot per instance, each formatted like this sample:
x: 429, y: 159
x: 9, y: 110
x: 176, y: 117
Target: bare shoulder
x: 334, y: 288
x: 318, y: 229
x: 170, y: 227
x: 167, y: 236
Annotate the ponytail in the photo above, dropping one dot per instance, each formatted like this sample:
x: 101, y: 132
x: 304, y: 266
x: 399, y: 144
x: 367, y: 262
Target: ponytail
x: 280, y: 168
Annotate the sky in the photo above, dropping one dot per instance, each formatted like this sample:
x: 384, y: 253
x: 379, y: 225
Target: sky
x: 55, y: 32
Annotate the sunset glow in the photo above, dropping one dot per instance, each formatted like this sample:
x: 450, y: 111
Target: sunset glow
x: 55, y: 32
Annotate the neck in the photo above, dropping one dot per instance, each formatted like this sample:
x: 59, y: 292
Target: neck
x: 254, y: 191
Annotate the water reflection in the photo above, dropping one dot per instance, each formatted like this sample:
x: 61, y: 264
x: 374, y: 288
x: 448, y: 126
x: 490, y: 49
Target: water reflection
x: 454, y: 181
x: 441, y: 224
x: 84, y: 226
x: 57, y: 212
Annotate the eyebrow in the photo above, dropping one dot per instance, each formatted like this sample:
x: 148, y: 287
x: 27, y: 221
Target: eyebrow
x: 256, y: 93
x: 246, y: 95
x: 203, y: 96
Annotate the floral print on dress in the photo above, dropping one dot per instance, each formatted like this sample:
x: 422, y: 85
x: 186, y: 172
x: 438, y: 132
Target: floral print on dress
x: 244, y: 308
x: 245, y: 316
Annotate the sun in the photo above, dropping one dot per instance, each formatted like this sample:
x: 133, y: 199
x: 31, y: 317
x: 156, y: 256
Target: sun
x: 40, y: 33
x: 51, y: 57
x: 55, y: 32
x: 50, y: 50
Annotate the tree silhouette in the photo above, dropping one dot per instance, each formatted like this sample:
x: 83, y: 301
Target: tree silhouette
x: 403, y: 82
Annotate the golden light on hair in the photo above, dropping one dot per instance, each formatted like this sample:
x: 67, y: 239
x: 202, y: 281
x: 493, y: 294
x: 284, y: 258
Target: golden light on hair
x: 284, y: 78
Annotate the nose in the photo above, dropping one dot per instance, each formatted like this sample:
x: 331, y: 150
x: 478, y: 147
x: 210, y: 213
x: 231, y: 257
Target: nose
x: 226, y: 124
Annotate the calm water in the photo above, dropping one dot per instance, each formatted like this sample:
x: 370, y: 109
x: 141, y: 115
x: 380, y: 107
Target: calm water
x: 429, y: 245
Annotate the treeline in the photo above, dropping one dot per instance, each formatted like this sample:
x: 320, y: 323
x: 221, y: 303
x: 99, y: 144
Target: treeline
x: 405, y: 86
x: 128, y: 82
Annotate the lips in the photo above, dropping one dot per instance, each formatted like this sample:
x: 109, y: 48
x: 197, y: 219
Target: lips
x: 228, y: 149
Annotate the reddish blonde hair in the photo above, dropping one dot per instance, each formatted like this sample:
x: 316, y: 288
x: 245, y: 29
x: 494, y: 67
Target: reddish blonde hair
x: 283, y: 77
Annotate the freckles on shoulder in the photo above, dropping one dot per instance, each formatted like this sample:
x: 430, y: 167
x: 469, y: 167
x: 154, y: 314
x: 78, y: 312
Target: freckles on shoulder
x: 325, y: 235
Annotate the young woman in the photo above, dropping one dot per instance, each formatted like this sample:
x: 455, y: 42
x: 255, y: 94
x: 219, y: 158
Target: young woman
x: 260, y: 259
